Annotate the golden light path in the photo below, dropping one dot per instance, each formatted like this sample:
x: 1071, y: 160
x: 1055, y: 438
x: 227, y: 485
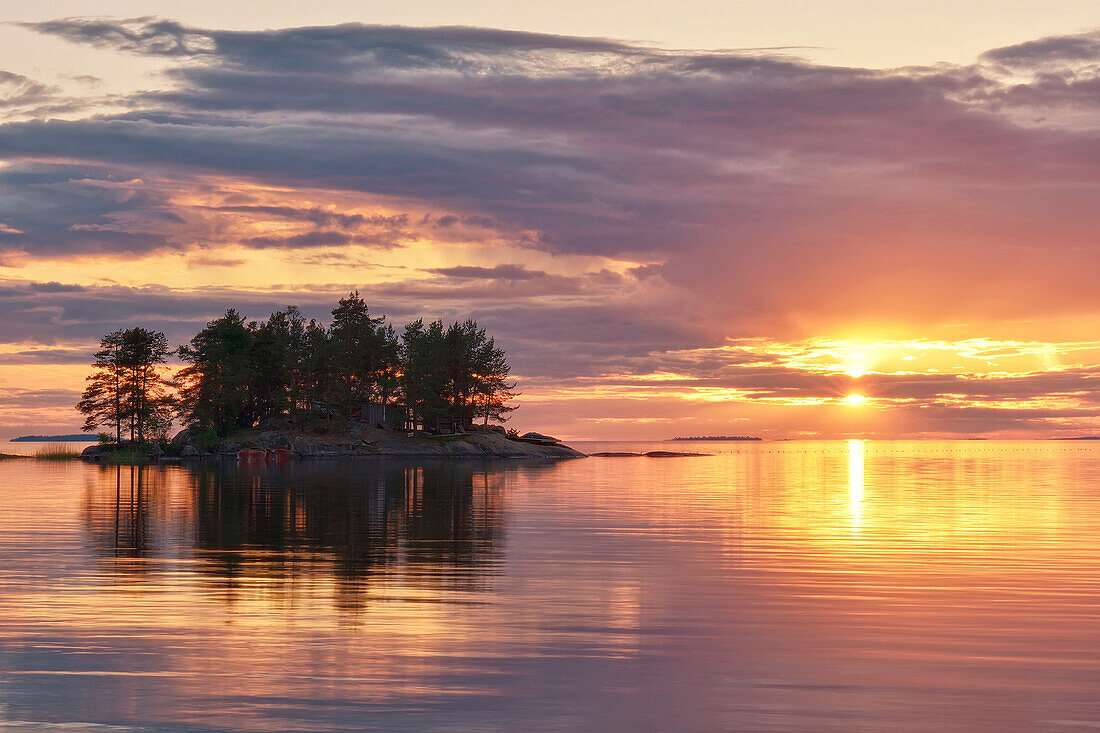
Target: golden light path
x: 855, y: 481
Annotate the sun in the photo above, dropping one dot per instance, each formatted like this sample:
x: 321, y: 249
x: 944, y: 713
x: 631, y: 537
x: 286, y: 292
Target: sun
x: 855, y: 400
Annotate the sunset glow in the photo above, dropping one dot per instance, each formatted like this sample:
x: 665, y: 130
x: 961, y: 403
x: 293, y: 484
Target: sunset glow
x: 856, y: 365
x: 597, y: 242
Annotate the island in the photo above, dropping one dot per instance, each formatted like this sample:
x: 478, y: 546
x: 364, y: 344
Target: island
x: 288, y: 388
x: 73, y: 438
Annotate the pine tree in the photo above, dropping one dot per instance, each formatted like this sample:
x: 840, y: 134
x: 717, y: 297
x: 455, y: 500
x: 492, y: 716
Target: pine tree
x: 127, y: 386
x: 357, y: 349
x: 422, y: 381
x: 215, y: 395
x: 493, y: 390
x: 102, y: 401
x: 149, y: 404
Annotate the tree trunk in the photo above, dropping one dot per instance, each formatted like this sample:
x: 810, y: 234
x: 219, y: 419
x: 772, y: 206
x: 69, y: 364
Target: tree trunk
x: 118, y: 409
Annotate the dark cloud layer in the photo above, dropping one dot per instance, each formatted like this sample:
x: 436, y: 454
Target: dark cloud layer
x: 499, y: 272
x: 1083, y: 47
x: 597, y: 146
x: 760, y: 165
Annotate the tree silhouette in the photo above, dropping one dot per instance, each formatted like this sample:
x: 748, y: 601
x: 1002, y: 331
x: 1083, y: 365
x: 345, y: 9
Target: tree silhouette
x: 127, y: 386
x: 102, y: 401
x: 240, y: 374
x: 216, y: 385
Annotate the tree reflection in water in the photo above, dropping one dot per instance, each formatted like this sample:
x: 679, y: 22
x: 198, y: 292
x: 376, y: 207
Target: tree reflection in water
x: 439, y: 524
x: 117, y: 512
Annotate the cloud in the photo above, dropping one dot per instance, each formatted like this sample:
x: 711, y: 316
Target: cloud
x: 768, y: 169
x: 37, y: 398
x: 1084, y: 47
x: 499, y: 272
x: 17, y: 90
x: 209, y: 261
x: 141, y: 35
x: 710, y: 195
x: 47, y: 356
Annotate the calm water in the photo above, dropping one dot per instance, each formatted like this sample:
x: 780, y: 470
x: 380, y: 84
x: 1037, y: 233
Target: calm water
x: 926, y: 586
x: 22, y: 448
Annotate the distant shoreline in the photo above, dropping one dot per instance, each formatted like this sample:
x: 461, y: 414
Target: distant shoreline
x: 698, y: 438
x: 74, y: 438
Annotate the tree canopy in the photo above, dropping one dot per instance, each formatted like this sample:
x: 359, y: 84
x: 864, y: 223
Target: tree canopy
x: 239, y: 374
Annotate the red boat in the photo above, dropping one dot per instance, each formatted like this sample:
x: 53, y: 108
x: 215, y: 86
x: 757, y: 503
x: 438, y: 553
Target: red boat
x: 252, y: 455
x: 277, y: 456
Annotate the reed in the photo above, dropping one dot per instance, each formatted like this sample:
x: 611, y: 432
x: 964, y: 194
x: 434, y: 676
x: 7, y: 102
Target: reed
x: 56, y: 452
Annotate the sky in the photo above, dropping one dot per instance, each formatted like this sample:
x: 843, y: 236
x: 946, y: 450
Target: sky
x: 788, y: 219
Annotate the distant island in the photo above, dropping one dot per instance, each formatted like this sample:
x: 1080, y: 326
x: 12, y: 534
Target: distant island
x: 78, y: 438
x: 718, y: 437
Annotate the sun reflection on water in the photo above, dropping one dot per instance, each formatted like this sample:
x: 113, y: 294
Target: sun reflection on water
x: 855, y: 481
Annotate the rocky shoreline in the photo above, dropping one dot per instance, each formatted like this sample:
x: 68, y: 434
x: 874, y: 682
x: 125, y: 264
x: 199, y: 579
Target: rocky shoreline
x: 275, y: 446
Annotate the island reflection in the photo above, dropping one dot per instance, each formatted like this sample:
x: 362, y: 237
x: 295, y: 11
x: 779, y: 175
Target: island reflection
x: 440, y: 524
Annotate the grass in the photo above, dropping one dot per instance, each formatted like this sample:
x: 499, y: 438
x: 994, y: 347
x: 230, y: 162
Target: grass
x: 56, y: 452
x: 441, y: 438
x: 127, y: 457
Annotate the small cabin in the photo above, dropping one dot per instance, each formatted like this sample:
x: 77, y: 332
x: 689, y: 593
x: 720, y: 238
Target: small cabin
x: 384, y: 415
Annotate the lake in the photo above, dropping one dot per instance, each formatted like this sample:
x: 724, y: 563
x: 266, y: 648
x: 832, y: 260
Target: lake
x: 797, y: 586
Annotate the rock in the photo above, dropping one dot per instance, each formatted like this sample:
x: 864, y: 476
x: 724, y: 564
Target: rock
x: 361, y: 440
x: 463, y: 448
x: 189, y: 451
x: 539, y: 436
x: 155, y: 451
x: 272, y: 439
x: 229, y: 446
x: 308, y: 449
x: 539, y: 439
x: 95, y: 453
x: 183, y: 437
x: 276, y: 424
